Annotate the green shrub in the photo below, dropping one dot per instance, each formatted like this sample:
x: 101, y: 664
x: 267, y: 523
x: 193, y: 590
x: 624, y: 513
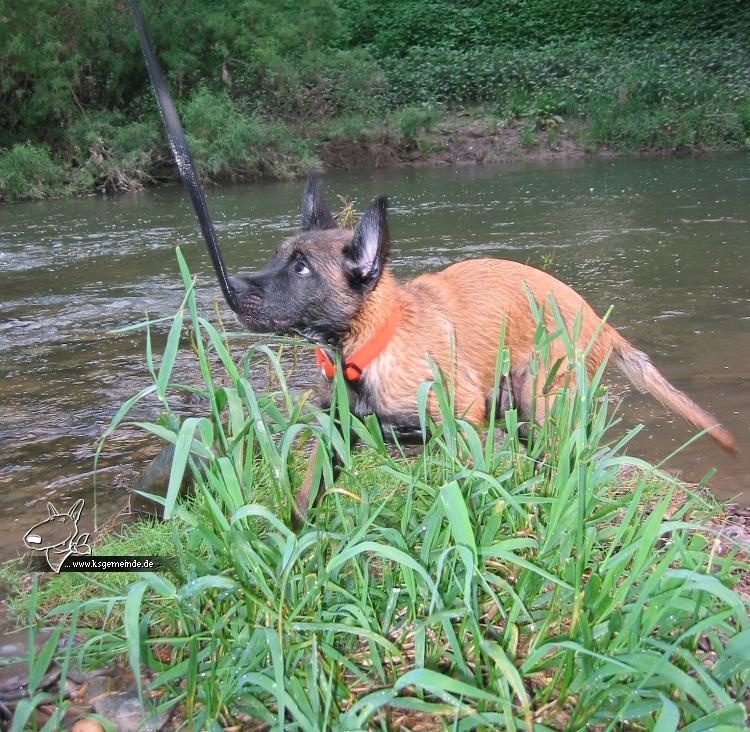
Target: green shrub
x: 354, y: 128
x: 669, y: 74
x: 227, y: 143
x: 108, y: 153
x: 527, y: 136
x: 411, y: 121
x: 29, y: 171
x: 635, y: 94
x: 320, y: 84
x: 394, y: 27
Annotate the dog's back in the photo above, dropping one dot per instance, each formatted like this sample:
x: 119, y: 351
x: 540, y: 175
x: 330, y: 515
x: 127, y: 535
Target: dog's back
x: 484, y: 293
x: 478, y: 296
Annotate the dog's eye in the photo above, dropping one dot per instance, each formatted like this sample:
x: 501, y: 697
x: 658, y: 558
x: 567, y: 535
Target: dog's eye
x: 301, y: 267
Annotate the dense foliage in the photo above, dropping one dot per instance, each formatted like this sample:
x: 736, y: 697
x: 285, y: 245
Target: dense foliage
x: 395, y: 26
x: 260, y: 82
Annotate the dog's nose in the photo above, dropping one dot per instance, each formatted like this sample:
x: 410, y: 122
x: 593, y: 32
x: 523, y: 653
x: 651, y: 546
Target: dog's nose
x: 240, y: 285
x: 246, y: 286
x: 235, y: 283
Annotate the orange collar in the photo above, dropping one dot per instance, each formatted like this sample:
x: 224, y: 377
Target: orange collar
x: 365, y: 354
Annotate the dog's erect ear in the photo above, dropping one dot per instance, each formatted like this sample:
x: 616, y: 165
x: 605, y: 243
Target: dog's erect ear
x: 369, y: 246
x: 75, y: 512
x: 315, y: 213
x: 52, y: 511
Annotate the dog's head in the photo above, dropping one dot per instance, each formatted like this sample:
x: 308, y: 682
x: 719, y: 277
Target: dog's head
x: 317, y: 281
x: 56, y: 530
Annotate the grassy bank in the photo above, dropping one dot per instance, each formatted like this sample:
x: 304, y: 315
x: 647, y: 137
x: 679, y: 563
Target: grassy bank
x: 271, y: 89
x: 478, y: 584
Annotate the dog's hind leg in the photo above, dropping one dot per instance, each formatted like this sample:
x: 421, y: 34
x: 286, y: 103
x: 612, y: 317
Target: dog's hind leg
x: 504, y: 400
x: 531, y: 400
x: 512, y: 395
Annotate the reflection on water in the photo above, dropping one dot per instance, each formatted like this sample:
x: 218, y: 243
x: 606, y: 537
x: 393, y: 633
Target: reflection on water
x: 663, y: 240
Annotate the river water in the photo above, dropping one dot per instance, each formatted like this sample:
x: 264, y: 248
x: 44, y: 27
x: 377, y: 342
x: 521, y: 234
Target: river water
x: 663, y: 240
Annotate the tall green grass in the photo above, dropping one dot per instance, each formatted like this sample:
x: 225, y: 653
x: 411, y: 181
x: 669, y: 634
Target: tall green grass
x: 479, y: 585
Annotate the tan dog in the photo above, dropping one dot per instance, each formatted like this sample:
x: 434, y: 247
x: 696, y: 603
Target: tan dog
x: 332, y: 287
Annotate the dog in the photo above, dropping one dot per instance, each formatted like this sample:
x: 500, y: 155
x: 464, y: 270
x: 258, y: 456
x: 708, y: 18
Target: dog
x: 332, y: 286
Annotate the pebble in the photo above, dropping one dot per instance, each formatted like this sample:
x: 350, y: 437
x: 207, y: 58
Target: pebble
x: 98, y: 686
x: 113, y: 697
x: 87, y: 725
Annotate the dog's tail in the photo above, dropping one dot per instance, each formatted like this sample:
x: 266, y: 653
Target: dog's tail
x: 638, y: 368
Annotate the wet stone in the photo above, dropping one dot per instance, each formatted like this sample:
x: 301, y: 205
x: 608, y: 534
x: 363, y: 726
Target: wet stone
x: 76, y: 676
x: 98, y: 686
x: 7, y: 620
x: 111, y: 692
x: 70, y: 689
x: 14, y: 675
x: 155, y: 480
x: 74, y: 712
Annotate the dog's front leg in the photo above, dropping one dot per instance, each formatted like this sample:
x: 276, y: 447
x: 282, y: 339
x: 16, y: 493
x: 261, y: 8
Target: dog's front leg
x: 314, y: 486
x: 313, y: 483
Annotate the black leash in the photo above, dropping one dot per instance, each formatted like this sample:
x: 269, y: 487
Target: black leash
x: 182, y: 158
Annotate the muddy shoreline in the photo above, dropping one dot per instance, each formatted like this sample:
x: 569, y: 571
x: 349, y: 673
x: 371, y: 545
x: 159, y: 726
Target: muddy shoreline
x: 462, y: 140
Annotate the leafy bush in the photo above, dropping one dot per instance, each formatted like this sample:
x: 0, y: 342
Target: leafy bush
x: 633, y: 95
x: 226, y: 143
x: 320, y: 84
x: 28, y: 171
x: 107, y: 152
x: 354, y: 127
x: 411, y: 121
x: 394, y: 27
